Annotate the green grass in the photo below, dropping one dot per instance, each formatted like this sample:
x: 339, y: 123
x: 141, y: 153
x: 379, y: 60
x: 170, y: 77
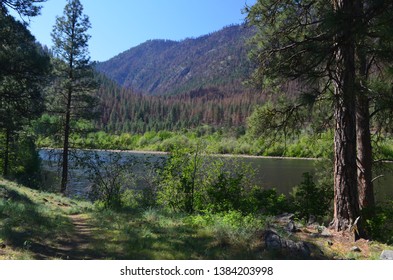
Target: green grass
x: 35, y: 225
x: 32, y: 222
x: 153, y: 234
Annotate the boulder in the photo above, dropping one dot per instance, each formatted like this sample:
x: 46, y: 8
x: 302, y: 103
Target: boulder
x: 285, y: 218
x: 274, y: 241
x: 387, y: 255
x: 291, y: 227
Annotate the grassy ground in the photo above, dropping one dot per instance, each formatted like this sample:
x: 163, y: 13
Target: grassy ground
x: 33, y: 224
x: 38, y: 225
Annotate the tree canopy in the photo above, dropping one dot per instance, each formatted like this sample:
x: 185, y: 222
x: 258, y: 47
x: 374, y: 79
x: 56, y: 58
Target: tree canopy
x: 322, y: 45
x: 73, y: 85
x: 23, y: 71
x: 29, y: 8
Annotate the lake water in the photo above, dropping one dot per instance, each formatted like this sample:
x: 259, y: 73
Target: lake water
x: 280, y: 173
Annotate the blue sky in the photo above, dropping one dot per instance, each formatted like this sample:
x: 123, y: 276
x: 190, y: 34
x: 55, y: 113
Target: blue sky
x: 118, y: 25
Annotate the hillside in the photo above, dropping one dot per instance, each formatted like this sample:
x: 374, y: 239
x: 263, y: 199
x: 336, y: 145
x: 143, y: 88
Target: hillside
x: 160, y: 67
x: 125, y: 111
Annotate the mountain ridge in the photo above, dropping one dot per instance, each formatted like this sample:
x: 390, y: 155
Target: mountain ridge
x: 166, y: 67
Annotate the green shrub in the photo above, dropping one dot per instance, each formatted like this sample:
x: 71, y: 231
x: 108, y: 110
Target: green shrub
x: 380, y: 225
x: 172, y: 143
x: 268, y: 202
x: 24, y: 164
x: 231, y: 219
x: 180, y: 179
x: 226, y: 192
x: 227, y: 147
x: 109, y: 174
x: 192, y: 181
x: 312, y: 199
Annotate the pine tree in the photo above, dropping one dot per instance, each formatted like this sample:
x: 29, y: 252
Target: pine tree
x: 74, y: 83
x: 23, y: 71
x: 319, y: 45
x: 27, y: 8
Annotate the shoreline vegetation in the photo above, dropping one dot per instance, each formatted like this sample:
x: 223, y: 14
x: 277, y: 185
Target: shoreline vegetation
x: 152, y: 152
x: 302, y: 146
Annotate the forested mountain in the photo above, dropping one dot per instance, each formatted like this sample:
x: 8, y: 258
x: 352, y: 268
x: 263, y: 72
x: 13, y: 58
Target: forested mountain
x: 159, y: 67
x: 219, y: 107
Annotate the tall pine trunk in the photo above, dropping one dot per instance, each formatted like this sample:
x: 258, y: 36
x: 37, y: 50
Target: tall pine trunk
x: 346, y: 206
x: 66, y: 144
x: 364, y: 153
x: 6, y: 163
x: 363, y: 135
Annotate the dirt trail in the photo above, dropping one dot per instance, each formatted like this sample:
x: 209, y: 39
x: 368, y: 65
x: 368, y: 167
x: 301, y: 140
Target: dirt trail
x: 75, y: 246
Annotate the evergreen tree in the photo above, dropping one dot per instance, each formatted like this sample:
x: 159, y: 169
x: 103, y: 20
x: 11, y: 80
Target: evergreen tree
x: 374, y: 57
x: 320, y: 45
x: 74, y: 82
x: 24, y: 67
x: 27, y: 8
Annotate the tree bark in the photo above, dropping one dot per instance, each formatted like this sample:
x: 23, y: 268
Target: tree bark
x: 346, y: 206
x: 363, y: 135
x: 6, y: 163
x: 364, y: 153
x: 66, y: 144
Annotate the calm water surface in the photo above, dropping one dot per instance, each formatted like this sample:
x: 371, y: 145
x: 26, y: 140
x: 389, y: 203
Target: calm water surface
x: 282, y: 174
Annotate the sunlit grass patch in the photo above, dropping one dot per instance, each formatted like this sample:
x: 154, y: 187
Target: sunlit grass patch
x: 155, y: 234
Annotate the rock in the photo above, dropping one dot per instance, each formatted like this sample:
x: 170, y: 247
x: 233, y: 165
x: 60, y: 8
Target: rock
x: 326, y: 233
x: 386, y: 255
x: 285, y: 218
x: 272, y: 240
x: 297, y: 249
x: 355, y: 249
x: 291, y: 227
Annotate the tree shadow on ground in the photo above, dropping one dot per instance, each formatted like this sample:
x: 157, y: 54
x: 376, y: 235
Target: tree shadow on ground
x: 133, y: 236
x: 37, y: 230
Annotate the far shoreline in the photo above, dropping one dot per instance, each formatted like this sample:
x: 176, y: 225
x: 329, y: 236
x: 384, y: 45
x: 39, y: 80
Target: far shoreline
x: 147, y: 152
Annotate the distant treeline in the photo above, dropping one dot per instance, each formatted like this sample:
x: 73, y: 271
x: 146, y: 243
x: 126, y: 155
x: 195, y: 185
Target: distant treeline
x: 220, y: 107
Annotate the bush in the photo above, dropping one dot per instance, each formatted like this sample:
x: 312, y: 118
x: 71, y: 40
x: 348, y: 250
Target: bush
x: 24, y: 163
x: 268, y: 202
x: 195, y: 181
x: 172, y: 143
x: 226, y: 192
x: 110, y: 175
x: 180, y: 179
x: 380, y: 225
x: 312, y: 199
